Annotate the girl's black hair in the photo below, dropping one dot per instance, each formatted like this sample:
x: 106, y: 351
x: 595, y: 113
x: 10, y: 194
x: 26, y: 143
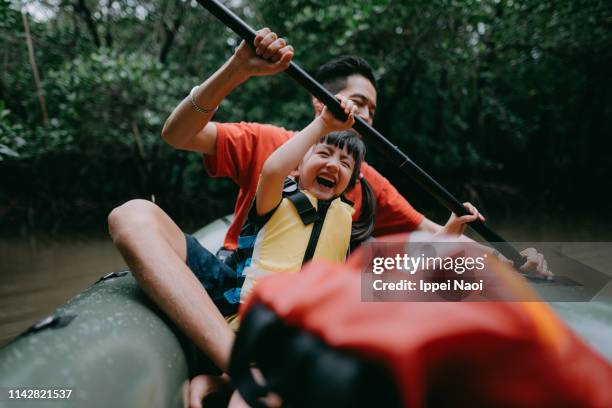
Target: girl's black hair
x: 349, y: 140
x: 362, y: 228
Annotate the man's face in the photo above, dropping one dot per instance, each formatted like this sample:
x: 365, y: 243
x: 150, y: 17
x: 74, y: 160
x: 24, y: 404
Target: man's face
x: 361, y: 91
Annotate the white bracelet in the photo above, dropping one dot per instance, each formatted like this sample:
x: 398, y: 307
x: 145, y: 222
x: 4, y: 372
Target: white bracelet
x: 195, y: 105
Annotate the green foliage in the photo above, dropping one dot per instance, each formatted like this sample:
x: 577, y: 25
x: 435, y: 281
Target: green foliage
x: 10, y: 135
x: 483, y: 94
x: 108, y: 99
x: 7, y: 16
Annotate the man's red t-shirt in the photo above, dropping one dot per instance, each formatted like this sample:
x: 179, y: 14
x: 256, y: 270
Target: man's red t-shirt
x: 242, y: 149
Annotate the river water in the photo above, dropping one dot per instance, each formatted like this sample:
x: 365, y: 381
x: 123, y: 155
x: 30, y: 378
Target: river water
x: 38, y: 274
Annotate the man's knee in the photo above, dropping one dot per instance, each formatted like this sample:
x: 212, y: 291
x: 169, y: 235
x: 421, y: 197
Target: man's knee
x: 131, y: 219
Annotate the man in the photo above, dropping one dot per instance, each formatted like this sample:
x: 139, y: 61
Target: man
x: 156, y: 249
x: 239, y: 150
x: 151, y: 243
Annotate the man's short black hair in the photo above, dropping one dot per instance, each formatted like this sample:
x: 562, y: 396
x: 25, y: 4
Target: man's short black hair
x: 333, y: 74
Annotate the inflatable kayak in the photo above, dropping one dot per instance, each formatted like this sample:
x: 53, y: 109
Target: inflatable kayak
x: 110, y: 346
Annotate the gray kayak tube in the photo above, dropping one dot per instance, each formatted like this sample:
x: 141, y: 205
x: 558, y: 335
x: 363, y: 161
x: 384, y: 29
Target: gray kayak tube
x: 109, y: 345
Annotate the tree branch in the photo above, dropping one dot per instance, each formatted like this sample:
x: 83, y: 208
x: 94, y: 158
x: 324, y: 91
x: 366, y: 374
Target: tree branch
x: 82, y: 8
x: 39, y: 92
x: 170, y: 31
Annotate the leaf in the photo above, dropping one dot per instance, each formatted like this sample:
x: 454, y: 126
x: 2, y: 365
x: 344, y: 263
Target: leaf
x: 5, y: 150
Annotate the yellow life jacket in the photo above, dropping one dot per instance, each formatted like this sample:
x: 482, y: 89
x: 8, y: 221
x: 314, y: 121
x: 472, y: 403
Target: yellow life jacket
x: 301, y: 228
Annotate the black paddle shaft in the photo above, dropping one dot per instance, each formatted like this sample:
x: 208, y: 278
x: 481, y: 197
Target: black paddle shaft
x: 384, y: 146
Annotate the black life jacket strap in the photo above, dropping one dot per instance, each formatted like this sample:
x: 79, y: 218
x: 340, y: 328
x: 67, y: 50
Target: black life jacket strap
x: 347, y: 201
x: 308, y: 213
x: 316, y: 231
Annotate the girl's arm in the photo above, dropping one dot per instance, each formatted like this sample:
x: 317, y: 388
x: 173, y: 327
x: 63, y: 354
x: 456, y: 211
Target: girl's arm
x: 287, y: 157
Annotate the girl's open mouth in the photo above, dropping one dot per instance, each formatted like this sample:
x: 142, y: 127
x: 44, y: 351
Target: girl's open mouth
x: 325, y: 182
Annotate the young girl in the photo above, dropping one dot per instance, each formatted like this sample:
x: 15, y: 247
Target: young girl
x: 291, y: 223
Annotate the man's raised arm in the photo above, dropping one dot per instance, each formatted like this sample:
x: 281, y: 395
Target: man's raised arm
x: 188, y: 126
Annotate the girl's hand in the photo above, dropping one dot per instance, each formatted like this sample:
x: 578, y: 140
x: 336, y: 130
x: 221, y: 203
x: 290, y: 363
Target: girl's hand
x: 333, y: 124
x: 456, y: 225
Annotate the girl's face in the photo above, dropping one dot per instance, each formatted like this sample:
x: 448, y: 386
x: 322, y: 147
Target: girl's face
x: 326, y: 171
